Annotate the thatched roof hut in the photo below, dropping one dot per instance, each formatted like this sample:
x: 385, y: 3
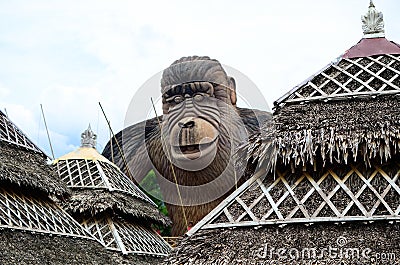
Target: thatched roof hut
x: 334, y: 193
x: 107, y: 203
x: 23, y: 163
x: 33, y: 228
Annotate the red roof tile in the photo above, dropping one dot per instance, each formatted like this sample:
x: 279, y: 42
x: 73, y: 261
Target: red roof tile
x: 374, y: 46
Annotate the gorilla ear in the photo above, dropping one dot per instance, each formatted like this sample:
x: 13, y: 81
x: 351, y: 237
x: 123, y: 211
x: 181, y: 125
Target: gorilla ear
x: 232, y: 85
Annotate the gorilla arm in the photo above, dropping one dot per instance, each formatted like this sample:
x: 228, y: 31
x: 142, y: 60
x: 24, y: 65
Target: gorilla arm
x: 132, y: 141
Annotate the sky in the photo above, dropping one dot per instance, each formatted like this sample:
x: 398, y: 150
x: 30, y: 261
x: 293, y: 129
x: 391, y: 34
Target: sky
x: 70, y: 55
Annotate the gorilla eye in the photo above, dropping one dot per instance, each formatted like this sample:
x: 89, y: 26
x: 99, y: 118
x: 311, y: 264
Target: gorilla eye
x: 198, y: 97
x: 178, y: 99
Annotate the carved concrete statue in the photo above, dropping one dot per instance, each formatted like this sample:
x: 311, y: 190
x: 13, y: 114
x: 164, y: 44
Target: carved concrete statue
x: 193, y: 144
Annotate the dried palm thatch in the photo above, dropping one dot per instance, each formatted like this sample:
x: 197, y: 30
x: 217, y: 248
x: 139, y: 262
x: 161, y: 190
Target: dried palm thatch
x: 334, y: 142
x: 24, y: 248
x: 34, y: 229
x: 361, y: 128
x: 291, y: 244
x: 108, y: 204
x: 90, y: 202
x: 356, y: 129
x: 348, y: 110
x: 28, y: 169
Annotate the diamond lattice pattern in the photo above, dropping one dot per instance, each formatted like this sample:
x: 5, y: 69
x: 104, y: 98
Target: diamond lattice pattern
x: 10, y: 133
x: 18, y: 211
x: 116, y: 234
x: 81, y: 173
x: 352, y: 77
x: 337, y: 195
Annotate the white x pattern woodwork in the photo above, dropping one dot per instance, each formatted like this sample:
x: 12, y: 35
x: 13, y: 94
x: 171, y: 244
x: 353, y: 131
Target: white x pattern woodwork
x: 18, y: 211
x: 117, y: 234
x: 81, y: 173
x: 9, y: 132
x: 304, y: 198
x: 353, y: 77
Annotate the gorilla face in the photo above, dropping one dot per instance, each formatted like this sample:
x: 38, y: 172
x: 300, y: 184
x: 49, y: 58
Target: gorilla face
x: 198, y: 100
x: 191, y: 124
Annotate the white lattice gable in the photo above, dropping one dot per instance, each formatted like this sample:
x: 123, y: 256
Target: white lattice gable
x: 350, y: 77
x: 18, y: 211
x: 128, y: 238
x: 83, y: 173
x: 307, y: 198
x: 86, y: 169
x: 9, y: 132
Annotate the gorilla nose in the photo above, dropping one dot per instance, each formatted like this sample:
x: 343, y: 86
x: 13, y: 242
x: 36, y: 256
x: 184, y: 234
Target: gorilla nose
x: 187, y: 124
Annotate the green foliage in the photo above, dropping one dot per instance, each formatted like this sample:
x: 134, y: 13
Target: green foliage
x: 150, y: 186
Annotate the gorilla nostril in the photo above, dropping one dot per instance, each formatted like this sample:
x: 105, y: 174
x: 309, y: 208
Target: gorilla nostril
x: 189, y: 124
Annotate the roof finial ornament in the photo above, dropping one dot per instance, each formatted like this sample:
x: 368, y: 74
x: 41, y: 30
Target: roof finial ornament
x: 88, y: 138
x: 371, y: 3
x: 372, y: 23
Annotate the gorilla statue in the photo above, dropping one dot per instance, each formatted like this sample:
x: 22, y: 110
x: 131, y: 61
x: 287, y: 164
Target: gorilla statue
x: 193, y: 146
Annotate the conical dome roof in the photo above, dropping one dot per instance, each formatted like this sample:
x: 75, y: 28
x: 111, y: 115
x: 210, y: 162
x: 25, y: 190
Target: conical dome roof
x: 87, y: 168
x: 23, y: 164
x: 10, y: 133
x: 108, y: 203
x: 349, y: 109
x: 34, y: 228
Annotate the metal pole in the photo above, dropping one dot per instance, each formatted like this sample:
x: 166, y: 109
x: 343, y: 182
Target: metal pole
x: 47, y: 130
x: 119, y: 147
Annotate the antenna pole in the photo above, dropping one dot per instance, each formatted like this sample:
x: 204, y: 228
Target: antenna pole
x: 47, y: 131
x: 119, y: 147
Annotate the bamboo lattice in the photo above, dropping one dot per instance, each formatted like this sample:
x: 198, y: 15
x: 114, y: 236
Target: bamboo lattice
x: 119, y: 235
x: 363, y: 195
x: 18, y: 211
x: 371, y: 75
x: 12, y: 134
x: 81, y: 173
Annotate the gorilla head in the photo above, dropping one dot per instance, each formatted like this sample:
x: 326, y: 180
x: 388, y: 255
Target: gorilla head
x: 193, y: 144
x: 197, y: 96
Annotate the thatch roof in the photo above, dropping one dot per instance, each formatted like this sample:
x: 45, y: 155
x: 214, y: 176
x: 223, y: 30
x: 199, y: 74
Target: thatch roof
x: 94, y: 202
x: 33, y: 228
x: 23, y: 210
x: 126, y: 236
x: 86, y: 168
x: 335, y: 144
x: 28, y: 169
x: 349, y: 110
x: 25, y: 248
x: 358, y: 129
x: 247, y: 245
x: 9, y: 132
x: 108, y: 204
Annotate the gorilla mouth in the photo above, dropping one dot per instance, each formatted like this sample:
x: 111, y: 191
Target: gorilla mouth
x: 194, y: 151
x: 190, y: 149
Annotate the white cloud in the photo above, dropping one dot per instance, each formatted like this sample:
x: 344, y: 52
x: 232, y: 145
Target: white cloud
x: 4, y: 91
x: 69, y: 55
